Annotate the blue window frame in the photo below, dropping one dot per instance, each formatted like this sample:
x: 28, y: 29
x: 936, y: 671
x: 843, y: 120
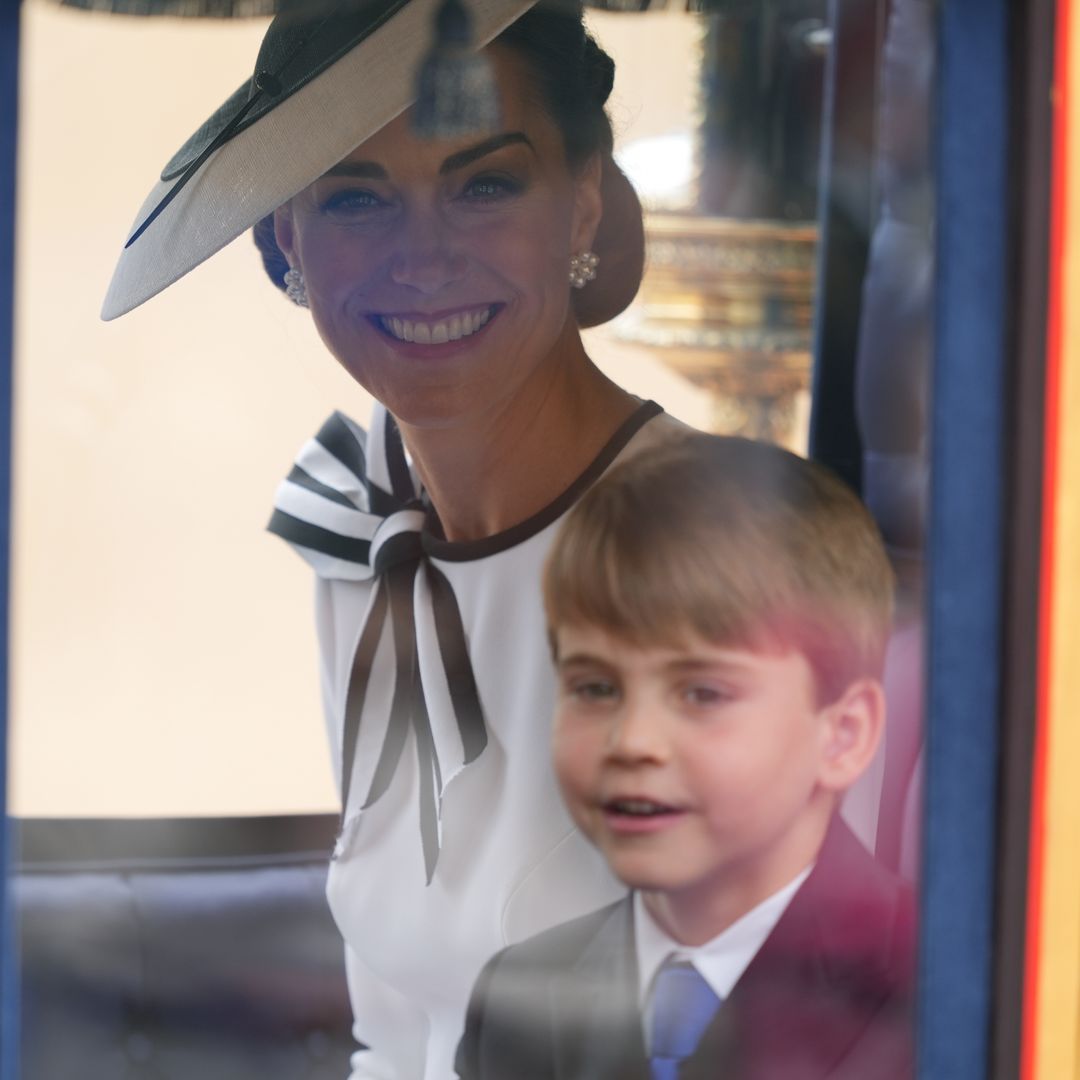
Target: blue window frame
x: 964, y: 610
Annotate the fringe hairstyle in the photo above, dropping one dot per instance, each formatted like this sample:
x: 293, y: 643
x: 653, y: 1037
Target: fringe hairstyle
x: 740, y: 543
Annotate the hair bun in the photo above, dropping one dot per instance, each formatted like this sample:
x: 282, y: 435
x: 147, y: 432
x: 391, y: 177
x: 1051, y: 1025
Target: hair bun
x: 620, y: 244
x: 598, y: 71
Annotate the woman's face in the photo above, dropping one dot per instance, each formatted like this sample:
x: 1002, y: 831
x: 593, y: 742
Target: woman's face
x: 437, y: 271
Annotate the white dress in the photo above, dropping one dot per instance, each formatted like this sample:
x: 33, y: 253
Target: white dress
x: 464, y: 795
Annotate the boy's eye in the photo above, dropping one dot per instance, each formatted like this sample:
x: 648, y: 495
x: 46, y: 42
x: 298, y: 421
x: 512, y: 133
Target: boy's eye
x: 591, y: 691
x: 705, y: 695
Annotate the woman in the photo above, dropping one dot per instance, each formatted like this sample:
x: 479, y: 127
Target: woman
x: 441, y: 274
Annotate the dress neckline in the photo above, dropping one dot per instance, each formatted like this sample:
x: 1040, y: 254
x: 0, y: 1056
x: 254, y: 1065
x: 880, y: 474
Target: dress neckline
x: 436, y: 547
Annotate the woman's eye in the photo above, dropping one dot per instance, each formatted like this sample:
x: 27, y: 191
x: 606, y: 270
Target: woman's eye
x: 490, y: 188
x: 350, y: 202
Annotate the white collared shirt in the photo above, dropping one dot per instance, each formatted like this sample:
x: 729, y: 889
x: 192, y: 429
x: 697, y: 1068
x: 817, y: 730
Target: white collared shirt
x: 720, y: 961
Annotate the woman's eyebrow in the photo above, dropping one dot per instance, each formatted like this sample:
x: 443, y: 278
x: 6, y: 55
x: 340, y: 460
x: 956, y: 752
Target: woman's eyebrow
x: 482, y: 149
x: 371, y: 170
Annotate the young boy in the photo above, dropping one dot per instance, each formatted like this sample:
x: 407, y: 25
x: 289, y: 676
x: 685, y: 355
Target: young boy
x: 718, y: 614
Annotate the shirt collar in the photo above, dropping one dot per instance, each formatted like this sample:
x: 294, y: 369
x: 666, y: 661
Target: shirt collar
x: 720, y: 961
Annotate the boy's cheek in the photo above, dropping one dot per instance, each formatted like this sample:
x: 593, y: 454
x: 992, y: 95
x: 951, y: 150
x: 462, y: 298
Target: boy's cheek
x: 573, y: 759
x: 561, y: 753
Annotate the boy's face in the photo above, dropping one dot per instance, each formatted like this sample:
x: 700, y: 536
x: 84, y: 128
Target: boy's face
x: 705, y: 775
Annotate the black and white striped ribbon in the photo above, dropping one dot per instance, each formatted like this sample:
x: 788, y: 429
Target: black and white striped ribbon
x: 352, y: 508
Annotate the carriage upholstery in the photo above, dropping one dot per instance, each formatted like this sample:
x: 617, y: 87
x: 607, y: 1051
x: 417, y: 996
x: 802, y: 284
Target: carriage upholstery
x: 892, y: 383
x: 168, y: 949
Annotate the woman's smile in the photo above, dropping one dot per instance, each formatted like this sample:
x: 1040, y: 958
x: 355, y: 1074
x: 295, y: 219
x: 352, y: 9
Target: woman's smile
x: 441, y: 329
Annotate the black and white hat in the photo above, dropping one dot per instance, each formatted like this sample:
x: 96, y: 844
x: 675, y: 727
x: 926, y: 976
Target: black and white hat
x: 326, y: 79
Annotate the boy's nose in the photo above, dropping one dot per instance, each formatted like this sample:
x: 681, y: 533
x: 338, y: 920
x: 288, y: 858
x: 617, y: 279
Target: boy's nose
x: 426, y: 258
x: 636, y: 734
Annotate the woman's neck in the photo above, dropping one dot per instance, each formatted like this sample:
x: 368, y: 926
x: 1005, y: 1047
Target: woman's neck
x: 503, y: 467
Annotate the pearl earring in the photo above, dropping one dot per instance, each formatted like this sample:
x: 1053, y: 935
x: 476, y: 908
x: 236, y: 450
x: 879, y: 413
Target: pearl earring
x: 583, y: 268
x: 295, y: 289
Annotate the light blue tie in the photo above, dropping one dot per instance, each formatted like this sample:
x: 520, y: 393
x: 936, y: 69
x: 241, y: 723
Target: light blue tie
x: 683, y: 1004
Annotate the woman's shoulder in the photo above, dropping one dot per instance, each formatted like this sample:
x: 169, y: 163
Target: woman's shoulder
x: 661, y: 429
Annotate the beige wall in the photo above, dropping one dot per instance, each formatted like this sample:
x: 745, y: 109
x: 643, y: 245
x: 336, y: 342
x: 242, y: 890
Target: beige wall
x: 163, y: 658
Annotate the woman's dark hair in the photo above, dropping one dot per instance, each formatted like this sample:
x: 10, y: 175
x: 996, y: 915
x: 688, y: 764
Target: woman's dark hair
x: 572, y: 73
x: 274, y: 262
x: 573, y: 77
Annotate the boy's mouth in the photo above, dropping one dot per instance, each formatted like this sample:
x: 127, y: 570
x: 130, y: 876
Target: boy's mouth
x: 636, y: 816
x: 638, y: 807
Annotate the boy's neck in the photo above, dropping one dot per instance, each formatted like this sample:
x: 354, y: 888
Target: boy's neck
x: 696, y: 915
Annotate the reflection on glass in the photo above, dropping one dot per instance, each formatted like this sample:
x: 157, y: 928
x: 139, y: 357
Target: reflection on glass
x: 728, y: 297
x: 192, y: 698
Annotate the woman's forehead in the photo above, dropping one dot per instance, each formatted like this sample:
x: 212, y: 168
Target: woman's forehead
x: 524, y: 122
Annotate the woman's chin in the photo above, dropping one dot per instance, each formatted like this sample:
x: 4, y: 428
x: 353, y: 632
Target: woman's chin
x: 431, y: 408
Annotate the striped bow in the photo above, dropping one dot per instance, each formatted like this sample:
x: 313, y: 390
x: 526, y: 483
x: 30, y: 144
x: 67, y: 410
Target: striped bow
x: 352, y: 508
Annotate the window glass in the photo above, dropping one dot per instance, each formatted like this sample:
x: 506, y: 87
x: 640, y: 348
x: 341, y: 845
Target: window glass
x: 164, y: 655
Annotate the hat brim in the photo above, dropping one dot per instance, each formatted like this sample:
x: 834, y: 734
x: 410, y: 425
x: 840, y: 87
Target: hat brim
x: 288, y: 148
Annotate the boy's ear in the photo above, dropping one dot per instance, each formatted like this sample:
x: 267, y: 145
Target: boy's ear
x: 852, y: 728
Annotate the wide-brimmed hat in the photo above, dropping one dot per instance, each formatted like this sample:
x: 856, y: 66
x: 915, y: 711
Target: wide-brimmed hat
x: 326, y: 79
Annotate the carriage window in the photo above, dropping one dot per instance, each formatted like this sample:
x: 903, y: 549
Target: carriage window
x: 164, y: 656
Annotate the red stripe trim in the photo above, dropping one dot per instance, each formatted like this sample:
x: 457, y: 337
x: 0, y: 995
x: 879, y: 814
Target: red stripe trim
x: 1059, y: 104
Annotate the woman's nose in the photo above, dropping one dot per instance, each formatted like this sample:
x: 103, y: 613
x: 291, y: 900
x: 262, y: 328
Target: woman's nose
x: 426, y: 257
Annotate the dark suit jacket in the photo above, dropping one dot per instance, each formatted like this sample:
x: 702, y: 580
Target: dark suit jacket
x: 828, y: 995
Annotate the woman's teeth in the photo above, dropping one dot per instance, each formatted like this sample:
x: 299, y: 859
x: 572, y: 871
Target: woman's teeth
x: 435, y: 333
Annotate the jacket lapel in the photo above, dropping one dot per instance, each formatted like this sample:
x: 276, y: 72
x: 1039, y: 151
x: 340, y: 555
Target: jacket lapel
x: 598, y: 1033
x: 821, y: 980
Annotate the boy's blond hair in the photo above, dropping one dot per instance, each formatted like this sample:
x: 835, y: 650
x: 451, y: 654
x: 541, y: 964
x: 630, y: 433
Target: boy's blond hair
x: 740, y: 542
